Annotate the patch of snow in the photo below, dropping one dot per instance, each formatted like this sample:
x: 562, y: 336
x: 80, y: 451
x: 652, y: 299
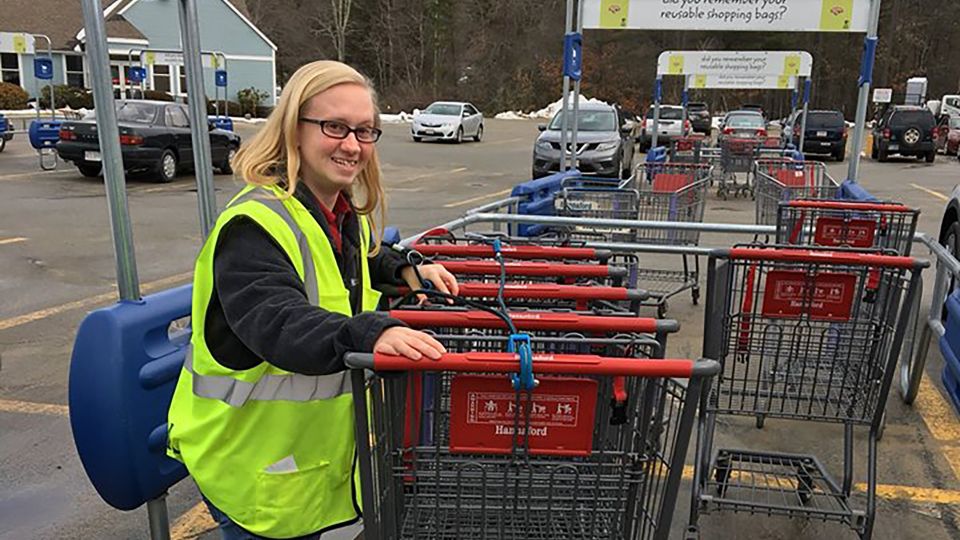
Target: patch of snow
x: 399, y: 118
x: 546, y: 112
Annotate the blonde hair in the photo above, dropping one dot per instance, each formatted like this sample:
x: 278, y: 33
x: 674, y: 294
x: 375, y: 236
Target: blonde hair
x: 272, y: 157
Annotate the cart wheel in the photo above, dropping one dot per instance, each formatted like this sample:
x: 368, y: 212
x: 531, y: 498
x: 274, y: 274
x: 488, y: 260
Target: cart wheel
x: 662, y: 310
x: 721, y: 474
x: 695, y: 295
x: 760, y: 419
x: 722, y: 193
x: 691, y: 534
x: 804, y: 484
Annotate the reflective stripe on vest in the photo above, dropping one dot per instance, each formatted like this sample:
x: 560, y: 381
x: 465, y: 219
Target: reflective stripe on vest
x: 292, y: 387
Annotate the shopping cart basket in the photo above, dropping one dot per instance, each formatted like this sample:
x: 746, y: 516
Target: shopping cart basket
x: 847, y: 224
x: 545, y: 295
x: 539, y: 272
x: 802, y: 334
x: 441, y: 244
x: 510, y: 465
x: 781, y: 180
x: 737, y: 156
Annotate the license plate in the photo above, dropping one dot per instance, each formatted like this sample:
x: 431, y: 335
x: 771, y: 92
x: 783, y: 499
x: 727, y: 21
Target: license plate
x: 821, y: 134
x: 824, y: 144
x: 91, y: 156
x: 429, y: 131
x: 893, y: 147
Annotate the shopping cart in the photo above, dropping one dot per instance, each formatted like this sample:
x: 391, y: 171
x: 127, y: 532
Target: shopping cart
x: 541, y: 296
x: 440, y: 244
x: 781, y: 180
x: 539, y: 272
x: 802, y: 334
x: 881, y: 225
x: 507, y: 464
x: 737, y: 156
x: 686, y: 149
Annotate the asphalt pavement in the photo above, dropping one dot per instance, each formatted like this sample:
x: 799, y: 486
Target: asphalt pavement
x: 56, y: 255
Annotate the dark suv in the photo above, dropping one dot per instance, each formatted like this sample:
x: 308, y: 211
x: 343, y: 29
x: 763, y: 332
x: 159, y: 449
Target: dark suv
x: 826, y: 133
x: 700, y: 117
x: 908, y: 130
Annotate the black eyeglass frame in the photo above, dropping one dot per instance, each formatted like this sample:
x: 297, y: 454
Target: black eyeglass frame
x: 355, y: 131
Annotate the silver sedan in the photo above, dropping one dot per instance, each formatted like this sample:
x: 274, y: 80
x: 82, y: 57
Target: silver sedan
x: 448, y: 120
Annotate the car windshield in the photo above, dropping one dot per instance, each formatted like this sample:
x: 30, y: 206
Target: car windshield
x: 589, y: 121
x: 822, y: 120
x: 667, y: 113
x: 955, y: 122
x: 744, y: 121
x: 138, y: 113
x: 923, y: 119
x: 443, y: 109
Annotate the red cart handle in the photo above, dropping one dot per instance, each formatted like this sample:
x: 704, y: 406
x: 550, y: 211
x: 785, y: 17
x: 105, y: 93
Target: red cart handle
x: 512, y: 252
x: 570, y: 364
x: 533, y: 320
x: 544, y: 291
x: 823, y: 256
x: 847, y: 205
x: 535, y: 269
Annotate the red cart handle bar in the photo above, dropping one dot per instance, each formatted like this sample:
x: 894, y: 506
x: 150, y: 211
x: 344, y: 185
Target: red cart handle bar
x: 847, y: 205
x: 570, y: 364
x: 545, y: 291
x: 535, y: 269
x: 514, y: 252
x: 533, y: 320
x: 822, y: 256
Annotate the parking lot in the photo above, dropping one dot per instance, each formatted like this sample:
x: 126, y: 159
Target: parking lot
x: 56, y: 251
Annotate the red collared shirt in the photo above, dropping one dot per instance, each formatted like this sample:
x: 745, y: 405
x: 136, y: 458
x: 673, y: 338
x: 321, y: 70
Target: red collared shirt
x: 334, y: 218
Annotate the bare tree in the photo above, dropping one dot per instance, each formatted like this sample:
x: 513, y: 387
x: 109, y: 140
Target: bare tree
x: 335, y: 25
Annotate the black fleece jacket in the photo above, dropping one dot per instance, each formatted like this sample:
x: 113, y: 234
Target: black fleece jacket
x: 259, y: 310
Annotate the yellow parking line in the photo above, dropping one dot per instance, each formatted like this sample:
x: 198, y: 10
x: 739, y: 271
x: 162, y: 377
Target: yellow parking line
x: 12, y: 240
x: 941, y: 422
x: 936, y: 194
x: 28, y: 407
x: 429, y: 175
x: 20, y: 320
x: 192, y: 523
x: 475, y: 199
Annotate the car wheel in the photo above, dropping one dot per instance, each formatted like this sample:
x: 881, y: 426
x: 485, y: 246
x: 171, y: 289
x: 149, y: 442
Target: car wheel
x: 479, y: 134
x: 931, y: 156
x: 416, y: 139
x: 873, y: 152
x: 167, y: 167
x: 3, y: 144
x: 459, y: 138
x: 882, y: 155
x: 951, y: 241
x: 90, y: 171
x: 225, y: 166
x: 840, y: 156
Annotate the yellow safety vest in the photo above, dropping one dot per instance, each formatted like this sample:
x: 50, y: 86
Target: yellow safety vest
x: 273, y: 450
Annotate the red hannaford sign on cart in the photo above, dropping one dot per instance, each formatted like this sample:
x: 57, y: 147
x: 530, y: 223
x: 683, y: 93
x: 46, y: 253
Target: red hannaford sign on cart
x: 835, y: 231
x: 484, y: 414
x: 787, y: 295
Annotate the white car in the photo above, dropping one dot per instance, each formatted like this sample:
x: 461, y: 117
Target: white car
x: 447, y: 120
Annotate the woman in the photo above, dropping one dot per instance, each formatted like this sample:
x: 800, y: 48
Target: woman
x: 262, y: 415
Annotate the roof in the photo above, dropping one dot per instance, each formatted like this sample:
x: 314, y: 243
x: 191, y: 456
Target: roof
x: 62, y: 20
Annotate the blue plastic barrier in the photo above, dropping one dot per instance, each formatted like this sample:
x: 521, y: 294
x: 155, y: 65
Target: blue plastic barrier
x: 538, y: 199
x: 657, y: 155
x: 852, y: 191
x: 44, y: 133
x: 391, y: 235
x: 949, y: 348
x: 222, y: 122
x: 123, y: 371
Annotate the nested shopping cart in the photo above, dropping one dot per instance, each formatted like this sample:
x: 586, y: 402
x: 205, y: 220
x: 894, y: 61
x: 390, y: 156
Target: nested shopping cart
x: 441, y: 244
x: 781, y: 180
x: 802, y: 334
x: 736, y: 157
x: 545, y: 296
x: 538, y: 272
x: 670, y: 192
x: 687, y: 149
x: 507, y: 464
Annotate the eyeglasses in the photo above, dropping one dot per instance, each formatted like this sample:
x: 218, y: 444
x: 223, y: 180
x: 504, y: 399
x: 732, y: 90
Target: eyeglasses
x: 339, y: 130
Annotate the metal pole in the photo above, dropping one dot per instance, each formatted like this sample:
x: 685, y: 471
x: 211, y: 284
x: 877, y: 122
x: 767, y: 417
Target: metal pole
x: 684, y: 101
x: 200, y: 131
x: 657, y: 94
x: 112, y: 160
x: 564, y: 117
x: 866, y: 77
x: 158, y: 518
x: 807, y: 84
x: 576, y: 96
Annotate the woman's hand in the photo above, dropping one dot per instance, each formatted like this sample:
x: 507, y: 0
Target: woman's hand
x: 441, y: 278
x: 403, y: 341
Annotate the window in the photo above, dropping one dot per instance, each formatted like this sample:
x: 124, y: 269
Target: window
x: 183, y: 79
x: 10, y: 68
x: 75, y: 77
x: 161, y: 78
x: 176, y: 117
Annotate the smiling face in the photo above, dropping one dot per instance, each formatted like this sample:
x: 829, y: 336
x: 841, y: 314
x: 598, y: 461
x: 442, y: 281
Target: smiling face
x: 329, y: 165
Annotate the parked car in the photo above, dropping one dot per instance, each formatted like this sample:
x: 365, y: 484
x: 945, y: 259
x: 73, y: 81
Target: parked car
x: 6, y: 132
x: 671, y: 126
x: 154, y: 136
x: 826, y: 133
x: 948, y: 135
x: 605, y: 141
x: 741, y: 124
x: 700, y: 118
x: 447, y: 120
x: 908, y: 130
x: 754, y: 108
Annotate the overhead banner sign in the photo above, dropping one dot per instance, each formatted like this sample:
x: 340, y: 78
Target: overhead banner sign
x: 765, y: 82
x: 740, y: 63
x: 16, y: 43
x: 176, y: 59
x: 726, y: 15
